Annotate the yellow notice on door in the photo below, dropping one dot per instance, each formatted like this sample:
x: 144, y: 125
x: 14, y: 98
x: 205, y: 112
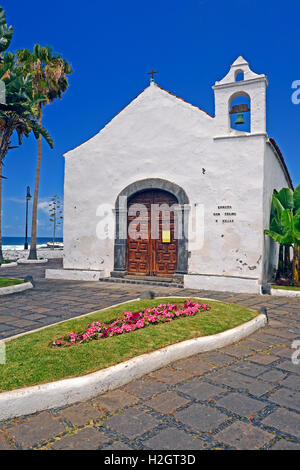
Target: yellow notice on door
x: 166, y: 236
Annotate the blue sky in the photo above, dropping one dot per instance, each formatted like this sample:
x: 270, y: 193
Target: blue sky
x: 112, y: 44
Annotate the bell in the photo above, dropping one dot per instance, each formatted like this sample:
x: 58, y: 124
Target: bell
x: 239, y: 119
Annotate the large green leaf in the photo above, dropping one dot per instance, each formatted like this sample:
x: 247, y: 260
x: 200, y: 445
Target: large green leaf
x: 276, y: 236
x: 276, y: 211
x: 285, y: 196
x: 38, y: 130
x: 297, y: 197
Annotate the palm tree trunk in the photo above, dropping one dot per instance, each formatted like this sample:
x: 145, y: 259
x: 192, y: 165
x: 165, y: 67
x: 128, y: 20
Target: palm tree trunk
x: 296, y: 265
x: 33, y: 252
x: 1, y: 254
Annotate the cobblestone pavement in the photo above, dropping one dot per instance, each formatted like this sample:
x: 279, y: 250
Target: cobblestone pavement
x: 244, y: 396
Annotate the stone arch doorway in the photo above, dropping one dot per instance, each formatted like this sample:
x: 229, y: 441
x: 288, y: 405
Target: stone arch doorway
x: 176, y: 255
x: 152, y: 244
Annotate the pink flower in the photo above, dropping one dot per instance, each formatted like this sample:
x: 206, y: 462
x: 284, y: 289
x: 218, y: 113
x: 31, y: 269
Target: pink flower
x: 130, y: 321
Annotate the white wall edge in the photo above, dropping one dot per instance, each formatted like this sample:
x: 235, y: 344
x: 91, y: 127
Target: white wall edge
x: 285, y: 293
x: 9, y: 265
x: 222, y: 283
x: 74, y: 274
x: 32, y: 261
x: 67, y: 391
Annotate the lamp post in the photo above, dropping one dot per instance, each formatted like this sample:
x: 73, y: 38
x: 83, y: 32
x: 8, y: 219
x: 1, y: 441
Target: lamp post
x: 28, y: 197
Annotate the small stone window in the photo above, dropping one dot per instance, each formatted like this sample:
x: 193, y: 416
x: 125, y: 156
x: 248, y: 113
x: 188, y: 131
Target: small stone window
x: 239, y: 76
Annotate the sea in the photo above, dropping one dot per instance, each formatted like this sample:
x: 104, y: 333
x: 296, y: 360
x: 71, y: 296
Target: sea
x: 17, y: 243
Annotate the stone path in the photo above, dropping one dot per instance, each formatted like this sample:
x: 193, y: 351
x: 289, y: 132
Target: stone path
x: 244, y: 396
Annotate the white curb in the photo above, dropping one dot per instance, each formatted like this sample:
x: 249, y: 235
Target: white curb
x: 74, y: 274
x: 285, y: 293
x: 17, y: 288
x: 32, y: 261
x: 8, y: 265
x: 65, y: 392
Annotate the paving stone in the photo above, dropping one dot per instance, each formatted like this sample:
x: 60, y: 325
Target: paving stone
x: 285, y: 421
x: 201, y: 417
x: 293, y: 381
x: 281, y: 333
x: 35, y: 317
x: 80, y: 414
x: 253, y: 345
x: 4, y: 327
x: 200, y: 390
x: 287, y: 398
x: 166, y: 402
x: 273, y: 375
x: 144, y: 388
x: 283, y: 352
x: 248, y: 368
x: 36, y: 429
x: 289, y: 366
x: 243, y: 382
x: 171, y: 376
x: 132, y: 423
x: 173, y: 439
x: 217, y: 358
x: 241, y: 404
x: 237, y: 351
x: 264, y: 359
x: 114, y: 400
x: 118, y: 445
x: 269, y: 339
x: 283, y: 444
x: 86, y: 439
x: 194, y: 366
x: 7, y: 319
x: 244, y: 436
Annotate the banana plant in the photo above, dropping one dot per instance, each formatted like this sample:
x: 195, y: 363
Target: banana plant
x: 285, y: 223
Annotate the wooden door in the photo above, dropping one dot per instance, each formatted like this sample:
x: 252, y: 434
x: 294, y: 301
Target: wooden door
x: 155, y: 256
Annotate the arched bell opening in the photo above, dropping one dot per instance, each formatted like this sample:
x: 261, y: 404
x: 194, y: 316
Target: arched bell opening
x: 239, y: 112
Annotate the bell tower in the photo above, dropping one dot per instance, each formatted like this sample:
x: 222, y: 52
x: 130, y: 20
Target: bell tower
x: 240, y: 82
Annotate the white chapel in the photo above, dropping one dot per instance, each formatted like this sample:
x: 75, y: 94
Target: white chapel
x: 217, y: 173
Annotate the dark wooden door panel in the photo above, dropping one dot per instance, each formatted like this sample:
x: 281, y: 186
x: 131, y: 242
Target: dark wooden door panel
x: 147, y: 256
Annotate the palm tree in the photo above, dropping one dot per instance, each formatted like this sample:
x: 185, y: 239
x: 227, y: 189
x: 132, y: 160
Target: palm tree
x: 18, y: 109
x: 19, y: 112
x: 50, y: 78
x: 6, y: 33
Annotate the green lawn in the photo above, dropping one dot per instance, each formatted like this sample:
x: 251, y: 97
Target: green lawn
x: 30, y: 360
x: 275, y: 286
x: 5, y: 282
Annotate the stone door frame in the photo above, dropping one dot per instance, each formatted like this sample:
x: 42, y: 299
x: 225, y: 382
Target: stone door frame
x: 121, y: 221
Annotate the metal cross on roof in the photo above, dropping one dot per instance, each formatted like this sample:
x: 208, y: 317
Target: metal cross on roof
x: 152, y: 73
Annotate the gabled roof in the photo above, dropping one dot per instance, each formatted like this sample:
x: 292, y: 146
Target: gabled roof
x: 151, y: 84
x: 172, y: 94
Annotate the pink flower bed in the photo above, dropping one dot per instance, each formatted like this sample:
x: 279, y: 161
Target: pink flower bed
x: 131, y: 321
